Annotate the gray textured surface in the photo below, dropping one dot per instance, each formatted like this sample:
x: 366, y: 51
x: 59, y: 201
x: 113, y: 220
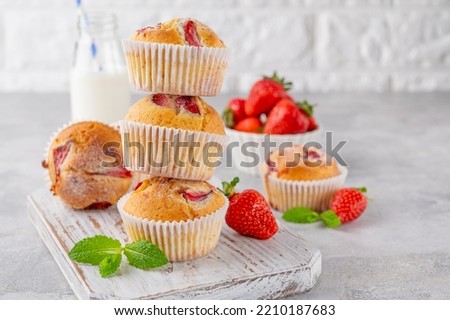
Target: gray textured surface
x: 398, y: 148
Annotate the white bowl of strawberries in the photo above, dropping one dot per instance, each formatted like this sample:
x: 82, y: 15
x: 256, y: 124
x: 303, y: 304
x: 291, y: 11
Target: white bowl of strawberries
x: 264, y: 121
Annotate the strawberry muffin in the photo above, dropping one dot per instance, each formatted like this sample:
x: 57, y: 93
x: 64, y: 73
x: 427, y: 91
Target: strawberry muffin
x: 178, y: 137
x: 301, y: 176
x: 180, y: 56
x: 182, y: 217
x: 83, y: 173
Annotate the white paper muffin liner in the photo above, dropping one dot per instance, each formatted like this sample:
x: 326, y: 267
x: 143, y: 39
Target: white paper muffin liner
x: 170, y: 152
x: 256, y: 139
x: 179, y: 240
x: 316, y: 195
x: 175, y: 69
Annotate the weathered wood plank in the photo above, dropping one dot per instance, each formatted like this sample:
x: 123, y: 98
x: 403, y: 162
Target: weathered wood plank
x: 239, y: 268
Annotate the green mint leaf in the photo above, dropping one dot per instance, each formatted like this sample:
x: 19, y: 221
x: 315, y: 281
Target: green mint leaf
x: 301, y: 215
x: 93, y: 250
x: 144, y: 255
x: 109, y: 265
x: 330, y: 219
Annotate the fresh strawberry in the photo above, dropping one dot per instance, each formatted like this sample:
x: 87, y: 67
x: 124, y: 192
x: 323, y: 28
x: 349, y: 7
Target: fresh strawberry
x: 286, y: 118
x: 349, y: 203
x: 249, y: 213
x: 252, y: 125
x: 234, y: 112
x: 265, y: 93
x: 312, y: 124
x: 308, y: 109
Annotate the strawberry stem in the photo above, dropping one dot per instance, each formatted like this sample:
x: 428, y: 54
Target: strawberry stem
x: 228, y: 117
x: 287, y: 85
x: 228, y: 187
x: 307, y: 107
x: 362, y: 189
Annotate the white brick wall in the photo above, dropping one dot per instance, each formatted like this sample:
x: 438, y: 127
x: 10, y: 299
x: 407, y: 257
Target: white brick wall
x: 323, y: 45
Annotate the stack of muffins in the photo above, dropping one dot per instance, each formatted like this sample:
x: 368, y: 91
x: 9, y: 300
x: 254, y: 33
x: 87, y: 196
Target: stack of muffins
x: 175, y: 137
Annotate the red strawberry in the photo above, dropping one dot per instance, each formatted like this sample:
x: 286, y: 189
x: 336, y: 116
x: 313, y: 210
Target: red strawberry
x: 59, y: 156
x: 190, y: 34
x: 192, y: 195
x: 286, y: 118
x: 188, y: 103
x: 308, y: 109
x: 160, y: 99
x: 234, y: 112
x: 312, y: 124
x: 349, y: 203
x: 117, y: 172
x: 138, y: 185
x: 249, y: 125
x: 249, y: 213
x: 265, y: 93
x: 98, y: 205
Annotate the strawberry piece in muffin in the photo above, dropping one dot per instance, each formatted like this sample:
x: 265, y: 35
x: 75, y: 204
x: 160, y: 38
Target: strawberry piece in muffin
x: 190, y: 34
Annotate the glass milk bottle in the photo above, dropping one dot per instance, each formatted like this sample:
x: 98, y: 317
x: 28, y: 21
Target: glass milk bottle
x: 99, y: 87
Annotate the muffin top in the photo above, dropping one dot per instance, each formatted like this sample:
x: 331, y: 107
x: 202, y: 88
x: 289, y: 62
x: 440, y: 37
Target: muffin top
x: 180, y: 32
x: 166, y: 199
x: 301, y: 163
x: 182, y: 112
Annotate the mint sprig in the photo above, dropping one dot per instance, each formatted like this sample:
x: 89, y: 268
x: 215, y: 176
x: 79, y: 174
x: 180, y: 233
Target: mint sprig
x: 106, y: 253
x: 301, y: 215
x: 306, y: 215
x: 109, y: 265
x: 330, y: 219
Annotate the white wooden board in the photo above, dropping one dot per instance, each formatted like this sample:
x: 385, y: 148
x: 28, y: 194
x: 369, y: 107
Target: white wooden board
x: 239, y: 268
